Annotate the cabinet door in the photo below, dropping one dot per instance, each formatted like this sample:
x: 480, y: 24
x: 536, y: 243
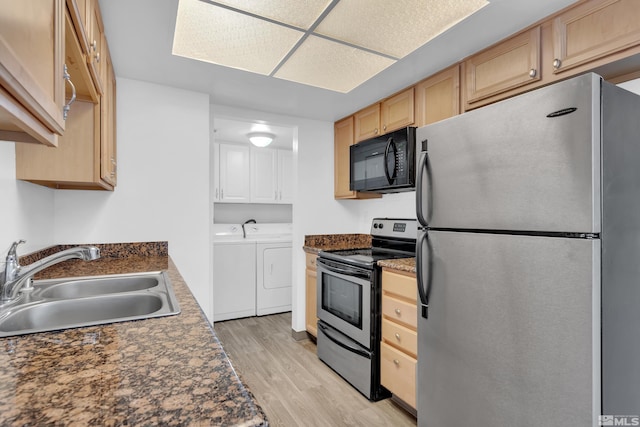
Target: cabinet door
x: 216, y: 172
x: 31, y: 70
x: 511, y: 64
x: 96, y: 47
x: 593, y: 30
x: 235, y: 185
x: 311, y: 318
x: 397, y: 112
x: 79, y: 10
x: 367, y: 123
x: 108, y: 158
x: 264, y: 177
x: 343, y: 139
x: 285, y: 176
x: 438, y: 97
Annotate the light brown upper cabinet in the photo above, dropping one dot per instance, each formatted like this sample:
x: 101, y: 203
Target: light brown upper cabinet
x: 391, y: 114
x: 343, y: 138
x: 95, y: 57
x: 86, y: 155
x: 438, y: 97
x: 32, y: 71
x: 594, y: 30
x: 511, y: 64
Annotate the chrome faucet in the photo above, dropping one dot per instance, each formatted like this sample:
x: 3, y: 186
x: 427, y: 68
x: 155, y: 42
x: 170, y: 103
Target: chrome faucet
x: 15, y: 277
x: 249, y: 221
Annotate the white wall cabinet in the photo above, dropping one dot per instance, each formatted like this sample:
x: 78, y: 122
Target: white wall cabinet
x: 271, y: 175
x: 244, y: 174
x: 232, y: 170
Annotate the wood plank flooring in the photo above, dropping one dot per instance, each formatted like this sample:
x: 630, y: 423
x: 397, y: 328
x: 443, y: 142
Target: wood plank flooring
x: 291, y: 384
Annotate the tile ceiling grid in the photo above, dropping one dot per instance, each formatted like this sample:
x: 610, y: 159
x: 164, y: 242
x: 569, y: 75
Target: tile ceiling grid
x: 332, y: 44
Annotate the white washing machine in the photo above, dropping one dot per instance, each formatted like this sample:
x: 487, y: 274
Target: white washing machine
x: 234, y: 273
x: 252, y: 274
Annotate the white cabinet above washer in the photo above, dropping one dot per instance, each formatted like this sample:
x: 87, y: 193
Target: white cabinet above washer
x: 243, y: 174
x: 271, y: 175
x: 232, y: 170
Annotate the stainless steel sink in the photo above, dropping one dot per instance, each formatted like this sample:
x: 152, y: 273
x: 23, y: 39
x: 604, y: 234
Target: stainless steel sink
x: 87, y: 301
x: 98, y: 286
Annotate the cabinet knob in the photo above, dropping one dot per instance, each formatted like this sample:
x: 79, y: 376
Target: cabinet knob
x: 396, y: 362
x: 557, y: 63
x: 94, y: 45
x: 97, y: 57
x: 533, y: 72
x: 398, y: 336
x: 221, y: 193
x: 397, y: 310
x: 375, y: 131
x: 384, y: 127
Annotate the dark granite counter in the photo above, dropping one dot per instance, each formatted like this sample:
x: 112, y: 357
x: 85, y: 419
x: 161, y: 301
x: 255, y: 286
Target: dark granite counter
x: 402, y: 264
x: 318, y: 242
x: 161, y: 371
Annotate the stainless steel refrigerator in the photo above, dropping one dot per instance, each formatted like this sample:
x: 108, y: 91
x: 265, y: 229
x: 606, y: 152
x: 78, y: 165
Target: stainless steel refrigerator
x: 528, y: 260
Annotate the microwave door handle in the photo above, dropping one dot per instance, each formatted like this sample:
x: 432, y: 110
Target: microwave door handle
x: 423, y: 288
x: 423, y: 168
x: 390, y: 177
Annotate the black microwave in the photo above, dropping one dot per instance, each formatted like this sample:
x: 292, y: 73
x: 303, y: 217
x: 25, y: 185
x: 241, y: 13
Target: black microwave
x: 384, y: 164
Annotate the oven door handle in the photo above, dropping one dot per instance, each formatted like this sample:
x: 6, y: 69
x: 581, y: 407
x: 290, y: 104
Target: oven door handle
x: 332, y: 335
x: 344, y: 270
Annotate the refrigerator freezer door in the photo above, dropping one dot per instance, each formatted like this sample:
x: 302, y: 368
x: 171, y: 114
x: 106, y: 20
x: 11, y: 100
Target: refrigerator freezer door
x: 512, y: 336
x: 530, y: 163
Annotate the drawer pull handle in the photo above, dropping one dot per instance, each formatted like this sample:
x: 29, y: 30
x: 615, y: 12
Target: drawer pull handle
x: 67, y: 106
x: 398, y: 336
x: 397, y: 311
x: 396, y: 362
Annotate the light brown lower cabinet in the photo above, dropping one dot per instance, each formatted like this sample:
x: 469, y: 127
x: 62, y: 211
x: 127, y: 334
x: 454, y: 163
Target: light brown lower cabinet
x: 399, y: 345
x: 311, y: 319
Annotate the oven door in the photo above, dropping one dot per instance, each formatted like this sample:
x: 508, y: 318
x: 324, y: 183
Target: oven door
x: 344, y: 299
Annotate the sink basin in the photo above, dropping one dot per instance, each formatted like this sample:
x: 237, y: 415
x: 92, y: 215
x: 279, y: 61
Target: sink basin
x: 87, y: 301
x: 98, y: 286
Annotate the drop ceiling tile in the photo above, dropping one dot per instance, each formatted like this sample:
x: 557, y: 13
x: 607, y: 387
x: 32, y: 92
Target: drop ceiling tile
x: 215, y: 34
x: 301, y: 14
x: 330, y: 65
x: 395, y: 28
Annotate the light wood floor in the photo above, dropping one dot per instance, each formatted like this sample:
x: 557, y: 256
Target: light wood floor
x: 291, y: 384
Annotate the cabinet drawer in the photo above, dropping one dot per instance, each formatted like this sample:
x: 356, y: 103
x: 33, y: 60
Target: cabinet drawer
x: 403, y: 285
x: 311, y: 260
x: 399, y: 311
x: 400, y: 336
x: 398, y: 373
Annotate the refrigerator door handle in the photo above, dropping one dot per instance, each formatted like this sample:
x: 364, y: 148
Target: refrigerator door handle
x: 423, y: 291
x: 422, y: 168
x: 391, y: 177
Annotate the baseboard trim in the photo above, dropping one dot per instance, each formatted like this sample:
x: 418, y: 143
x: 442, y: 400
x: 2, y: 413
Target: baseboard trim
x: 299, y: 335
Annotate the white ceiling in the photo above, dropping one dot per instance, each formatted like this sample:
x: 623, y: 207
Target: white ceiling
x: 140, y: 35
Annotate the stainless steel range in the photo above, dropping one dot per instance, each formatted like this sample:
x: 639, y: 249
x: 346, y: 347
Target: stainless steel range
x: 349, y: 299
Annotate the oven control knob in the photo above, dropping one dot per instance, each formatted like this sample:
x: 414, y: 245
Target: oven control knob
x: 375, y: 225
x: 380, y: 226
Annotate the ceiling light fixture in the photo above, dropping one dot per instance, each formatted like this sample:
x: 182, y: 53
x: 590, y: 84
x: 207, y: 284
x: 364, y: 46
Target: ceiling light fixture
x: 261, y: 139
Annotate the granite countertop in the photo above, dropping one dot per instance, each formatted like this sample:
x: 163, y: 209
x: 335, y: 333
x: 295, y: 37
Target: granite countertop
x: 401, y: 264
x: 315, y: 243
x: 168, y: 370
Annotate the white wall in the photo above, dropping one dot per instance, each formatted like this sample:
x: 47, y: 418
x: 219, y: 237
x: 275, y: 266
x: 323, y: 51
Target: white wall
x: 26, y: 210
x: 163, y: 183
